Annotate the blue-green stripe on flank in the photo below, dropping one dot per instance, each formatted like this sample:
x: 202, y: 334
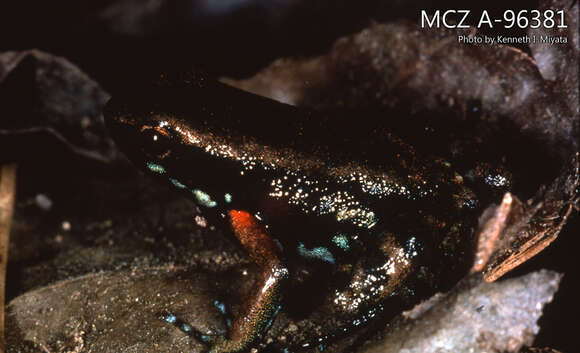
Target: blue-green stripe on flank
x: 155, y: 168
x: 320, y: 253
x: 177, y: 183
x: 203, y: 198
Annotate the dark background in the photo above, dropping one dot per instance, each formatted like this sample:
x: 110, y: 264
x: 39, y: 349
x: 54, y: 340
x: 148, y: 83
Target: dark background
x: 235, y: 37
x: 119, y: 42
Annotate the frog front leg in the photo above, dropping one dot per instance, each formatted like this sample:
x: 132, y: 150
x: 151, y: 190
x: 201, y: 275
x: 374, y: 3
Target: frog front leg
x: 260, y: 307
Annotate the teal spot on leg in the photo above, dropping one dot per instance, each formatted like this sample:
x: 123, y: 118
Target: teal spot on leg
x: 319, y: 253
x: 220, y: 306
x: 341, y: 241
x: 206, y: 338
x: 170, y: 318
x: 228, y: 198
x: 155, y: 168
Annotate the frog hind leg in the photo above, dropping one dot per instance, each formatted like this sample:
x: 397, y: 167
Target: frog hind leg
x: 261, y: 306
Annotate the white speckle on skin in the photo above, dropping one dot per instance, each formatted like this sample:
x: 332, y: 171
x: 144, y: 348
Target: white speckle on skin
x: 200, y: 221
x: 65, y: 226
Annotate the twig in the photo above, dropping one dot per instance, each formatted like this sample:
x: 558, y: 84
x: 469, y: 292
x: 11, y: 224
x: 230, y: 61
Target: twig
x: 7, y: 193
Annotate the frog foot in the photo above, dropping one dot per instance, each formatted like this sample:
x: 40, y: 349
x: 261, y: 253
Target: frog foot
x: 255, y: 319
x: 260, y: 307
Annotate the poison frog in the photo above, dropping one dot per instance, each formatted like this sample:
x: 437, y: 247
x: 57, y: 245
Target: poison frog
x: 300, y: 186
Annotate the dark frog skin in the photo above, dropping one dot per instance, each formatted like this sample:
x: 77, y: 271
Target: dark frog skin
x: 337, y: 192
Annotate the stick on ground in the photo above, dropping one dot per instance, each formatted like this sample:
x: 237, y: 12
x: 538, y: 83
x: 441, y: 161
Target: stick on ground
x: 7, y: 193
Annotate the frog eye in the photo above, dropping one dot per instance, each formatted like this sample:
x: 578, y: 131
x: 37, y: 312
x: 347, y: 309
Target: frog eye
x: 156, y: 143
